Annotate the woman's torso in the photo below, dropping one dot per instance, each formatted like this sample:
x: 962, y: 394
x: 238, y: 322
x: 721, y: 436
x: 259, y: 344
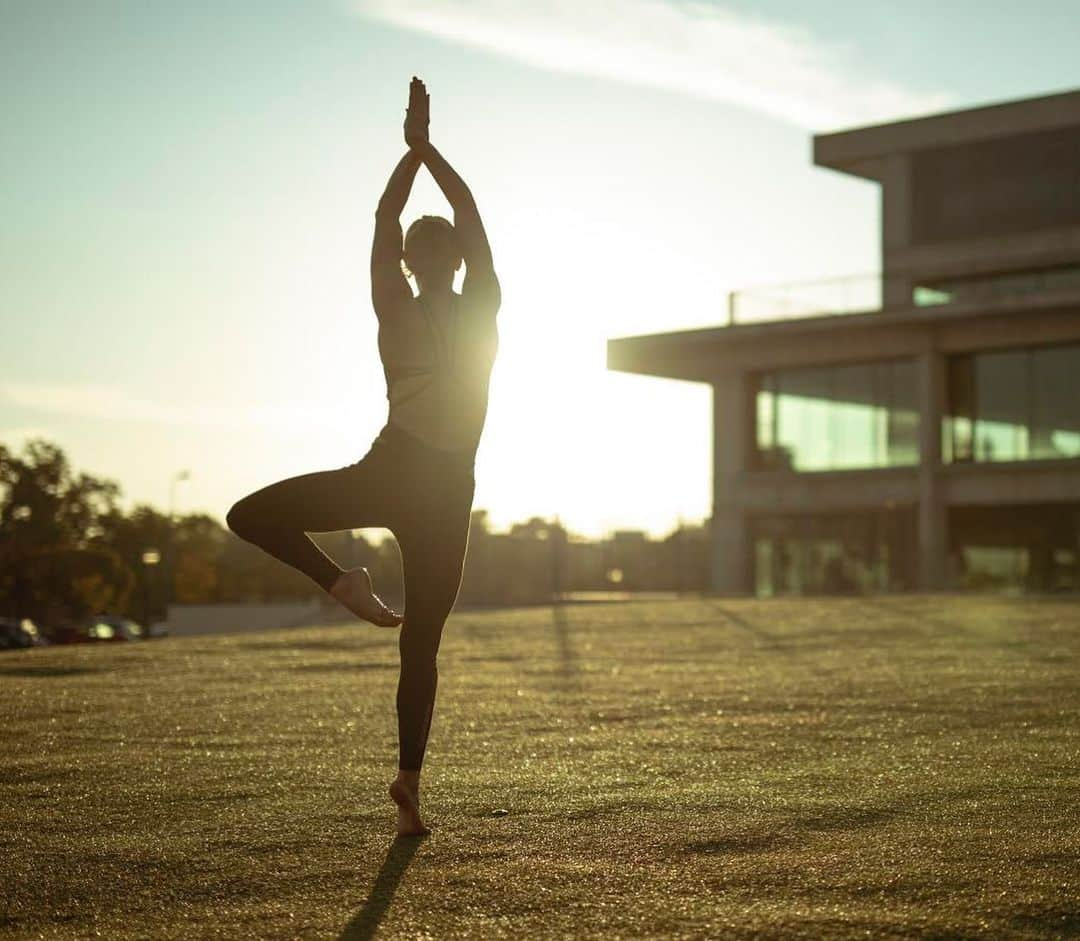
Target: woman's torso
x: 437, y: 358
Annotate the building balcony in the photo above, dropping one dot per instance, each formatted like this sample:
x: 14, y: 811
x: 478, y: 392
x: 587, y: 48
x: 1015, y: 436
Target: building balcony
x: 861, y: 319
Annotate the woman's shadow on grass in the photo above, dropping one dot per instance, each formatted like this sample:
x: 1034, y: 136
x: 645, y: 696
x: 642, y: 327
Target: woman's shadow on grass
x: 366, y: 921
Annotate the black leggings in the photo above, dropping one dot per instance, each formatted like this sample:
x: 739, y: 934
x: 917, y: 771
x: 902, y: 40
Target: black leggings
x: 423, y: 495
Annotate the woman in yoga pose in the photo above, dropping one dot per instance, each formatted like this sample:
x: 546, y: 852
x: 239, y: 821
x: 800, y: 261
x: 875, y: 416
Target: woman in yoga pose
x: 417, y: 478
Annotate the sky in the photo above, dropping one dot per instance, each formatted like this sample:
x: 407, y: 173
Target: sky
x: 187, y: 197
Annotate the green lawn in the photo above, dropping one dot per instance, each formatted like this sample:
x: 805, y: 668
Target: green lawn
x: 904, y: 767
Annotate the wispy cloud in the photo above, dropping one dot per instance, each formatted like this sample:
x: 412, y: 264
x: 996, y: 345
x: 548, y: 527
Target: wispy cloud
x: 693, y: 47
x: 111, y: 403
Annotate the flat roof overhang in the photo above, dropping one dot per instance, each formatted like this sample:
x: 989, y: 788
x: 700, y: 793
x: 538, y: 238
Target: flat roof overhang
x: 862, y: 151
x: 704, y: 354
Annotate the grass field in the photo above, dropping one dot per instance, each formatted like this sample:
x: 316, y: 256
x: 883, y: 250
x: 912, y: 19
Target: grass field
x: 900, y: 767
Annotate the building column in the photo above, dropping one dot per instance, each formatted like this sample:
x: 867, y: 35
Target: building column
x: 731, y: 571
x: 931, y: 515
x: 896, y: 210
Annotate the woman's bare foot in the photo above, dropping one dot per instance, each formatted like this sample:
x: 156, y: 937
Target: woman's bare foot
x: 405, y: 792
x: 353, y: 589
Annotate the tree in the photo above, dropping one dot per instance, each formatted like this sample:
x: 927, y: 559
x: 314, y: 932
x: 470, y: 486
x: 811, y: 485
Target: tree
x: 43, y: 503
x: 199, y: 541
x: 65, y: 583
x: 143, y: 530
x: 48, y: 515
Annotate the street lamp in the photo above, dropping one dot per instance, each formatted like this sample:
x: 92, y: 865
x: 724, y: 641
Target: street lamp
x: 170, y: 567
x: 176, y: 478
x: 21, y: 513
x: 150, y: 558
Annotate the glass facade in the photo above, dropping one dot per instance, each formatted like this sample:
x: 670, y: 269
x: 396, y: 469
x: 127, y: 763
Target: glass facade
x: 1014, y: 405
x: 1015, y: 549
x: 834, y: 553
x: 838, y: 417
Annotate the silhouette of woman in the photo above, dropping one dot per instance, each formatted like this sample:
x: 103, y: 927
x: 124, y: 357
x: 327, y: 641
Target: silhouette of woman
x: 417, y: 478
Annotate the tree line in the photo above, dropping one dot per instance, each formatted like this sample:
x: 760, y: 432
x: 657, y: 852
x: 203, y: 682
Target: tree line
x: 68, y: 550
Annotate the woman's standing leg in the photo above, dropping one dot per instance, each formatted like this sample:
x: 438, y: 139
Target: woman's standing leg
x: 433, y: 555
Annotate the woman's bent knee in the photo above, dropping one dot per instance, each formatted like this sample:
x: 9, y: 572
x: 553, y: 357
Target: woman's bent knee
x: 241, y: 519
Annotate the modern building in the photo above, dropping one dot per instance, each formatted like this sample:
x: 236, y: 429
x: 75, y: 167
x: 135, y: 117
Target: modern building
x: 920, y: 429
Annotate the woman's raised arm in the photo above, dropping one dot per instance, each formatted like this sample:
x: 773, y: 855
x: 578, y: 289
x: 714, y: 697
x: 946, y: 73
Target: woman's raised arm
x: 389, y: 289
x: 467, y: 222
x: 480, y: 277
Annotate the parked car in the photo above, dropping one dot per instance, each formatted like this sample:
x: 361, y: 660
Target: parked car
x: 19, y: 633
x: 112, y: 627
x: 68, y: 633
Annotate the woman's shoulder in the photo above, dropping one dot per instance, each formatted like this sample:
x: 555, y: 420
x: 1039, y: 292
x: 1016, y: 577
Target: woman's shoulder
x: 476, y: 315
x: 481, y: 296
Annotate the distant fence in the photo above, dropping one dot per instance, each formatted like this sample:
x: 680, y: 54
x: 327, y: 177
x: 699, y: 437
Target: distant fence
x: 186, y: 620
x: 190, y: 620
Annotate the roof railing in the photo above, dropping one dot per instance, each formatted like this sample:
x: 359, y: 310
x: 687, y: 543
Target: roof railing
x: 869, y: 293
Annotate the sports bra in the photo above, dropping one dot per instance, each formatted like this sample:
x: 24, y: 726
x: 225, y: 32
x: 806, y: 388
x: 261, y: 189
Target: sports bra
x: 438, y: 372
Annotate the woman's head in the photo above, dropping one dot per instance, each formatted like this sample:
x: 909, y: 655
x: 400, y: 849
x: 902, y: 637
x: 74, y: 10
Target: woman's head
x: 431, y: 250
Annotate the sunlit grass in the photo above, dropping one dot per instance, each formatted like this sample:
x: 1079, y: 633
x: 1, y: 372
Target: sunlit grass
x: 685, y: 769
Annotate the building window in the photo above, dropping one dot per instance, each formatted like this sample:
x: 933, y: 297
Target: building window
x: 1031, y: 547
x: 1014, y: 405
x: 870, y: 550
x: 838, y: 417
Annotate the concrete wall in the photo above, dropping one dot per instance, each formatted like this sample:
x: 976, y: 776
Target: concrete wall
x: 731, y: 569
